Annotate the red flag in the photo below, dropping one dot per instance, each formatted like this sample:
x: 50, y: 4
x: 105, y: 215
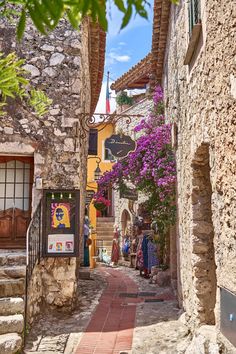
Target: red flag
x: 107, y: 96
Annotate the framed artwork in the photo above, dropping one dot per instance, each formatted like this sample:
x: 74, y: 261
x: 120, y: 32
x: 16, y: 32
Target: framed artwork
x: 60, y: 215
x: 61, y: 223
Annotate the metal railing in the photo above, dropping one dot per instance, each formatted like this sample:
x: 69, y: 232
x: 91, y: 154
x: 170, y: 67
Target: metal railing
x: 34, y: 241
x: 33, y: 253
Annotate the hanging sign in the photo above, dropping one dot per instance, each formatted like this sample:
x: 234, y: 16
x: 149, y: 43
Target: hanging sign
x: 129, y: 193
x: 61, y: 223
x: 120, y: 145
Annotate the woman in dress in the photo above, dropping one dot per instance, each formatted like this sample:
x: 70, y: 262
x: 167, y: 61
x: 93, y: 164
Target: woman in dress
x: 115, y: 253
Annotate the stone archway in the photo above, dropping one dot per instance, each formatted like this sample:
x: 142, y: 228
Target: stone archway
x: 125, y: 219
x: 202, y: 231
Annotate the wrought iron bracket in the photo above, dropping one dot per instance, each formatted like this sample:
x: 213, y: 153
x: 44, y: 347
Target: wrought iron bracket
x: 86, y: 121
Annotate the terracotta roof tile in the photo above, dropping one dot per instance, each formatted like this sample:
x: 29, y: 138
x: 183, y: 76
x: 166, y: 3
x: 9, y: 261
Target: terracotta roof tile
x: 159, y: 39
x: 137, y: 77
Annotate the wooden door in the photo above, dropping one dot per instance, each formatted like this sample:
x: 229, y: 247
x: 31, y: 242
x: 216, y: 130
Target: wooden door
x: 16, y: 178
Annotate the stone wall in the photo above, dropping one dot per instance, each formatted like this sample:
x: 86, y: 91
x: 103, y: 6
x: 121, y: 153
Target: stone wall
x: 200, y: 99
x: 58, y: 64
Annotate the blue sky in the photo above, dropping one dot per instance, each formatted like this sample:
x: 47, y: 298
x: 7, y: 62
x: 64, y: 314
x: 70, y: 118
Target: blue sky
x: 124, y: 49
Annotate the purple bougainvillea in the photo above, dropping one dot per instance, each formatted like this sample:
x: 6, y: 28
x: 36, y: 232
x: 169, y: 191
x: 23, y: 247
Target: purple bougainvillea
x: 151, y: 167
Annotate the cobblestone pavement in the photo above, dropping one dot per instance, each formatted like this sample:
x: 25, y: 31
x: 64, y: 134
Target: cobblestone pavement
x: 58, y: 332
x: 157, y: 330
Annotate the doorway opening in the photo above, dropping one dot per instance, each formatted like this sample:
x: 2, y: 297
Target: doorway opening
x: 203, y: 257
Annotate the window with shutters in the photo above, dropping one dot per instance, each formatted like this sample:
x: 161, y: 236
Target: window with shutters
x: 93, y: 142
x: 195, y: 31
x: 194, y: 14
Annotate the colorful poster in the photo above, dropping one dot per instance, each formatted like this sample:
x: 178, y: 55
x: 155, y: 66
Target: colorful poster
x: 61, y: 243
x: 60, y: 215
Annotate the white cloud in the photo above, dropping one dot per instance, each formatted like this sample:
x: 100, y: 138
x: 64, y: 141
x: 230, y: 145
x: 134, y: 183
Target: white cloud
x: 101, y: 106
x: 114, y: 56
x: 122, y: 44
x: 120, y: 58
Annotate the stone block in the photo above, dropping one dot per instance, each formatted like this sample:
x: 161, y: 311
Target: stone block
x: 12, y: 287
x: 10, y: 343
x: 8, y: 130
x: 11, y: 324
x: 204, y: 341
x: 48, y: 48
x: 163, y: 278
x: 33, y: 70
x: 56, y: 59
x: 11, y: 306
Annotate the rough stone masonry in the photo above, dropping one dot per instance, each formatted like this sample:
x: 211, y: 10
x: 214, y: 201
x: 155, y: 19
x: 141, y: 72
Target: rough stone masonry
x: 200, y: 100
x: 58, y: 64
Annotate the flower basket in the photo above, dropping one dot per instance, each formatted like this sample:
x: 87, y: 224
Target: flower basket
x: 99, y: 206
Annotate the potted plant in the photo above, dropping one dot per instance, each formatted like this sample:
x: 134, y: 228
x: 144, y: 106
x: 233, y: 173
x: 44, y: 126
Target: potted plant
x: 100, y: 203
x: 122, y: 99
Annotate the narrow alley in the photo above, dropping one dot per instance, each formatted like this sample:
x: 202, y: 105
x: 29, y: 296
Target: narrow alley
x: 117, y: 311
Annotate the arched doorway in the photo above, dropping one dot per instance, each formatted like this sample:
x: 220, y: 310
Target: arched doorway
x: 202, y: 238
x: 125, y: 221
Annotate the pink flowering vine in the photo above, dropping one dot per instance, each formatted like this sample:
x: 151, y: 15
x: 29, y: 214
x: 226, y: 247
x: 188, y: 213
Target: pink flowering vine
x: 151, y: 167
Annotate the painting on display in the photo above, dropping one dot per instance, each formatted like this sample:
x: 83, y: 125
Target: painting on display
x: 61, y: 243
x: 60, y: 216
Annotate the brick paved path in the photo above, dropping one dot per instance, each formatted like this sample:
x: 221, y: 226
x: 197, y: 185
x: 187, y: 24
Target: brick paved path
x: 110, y: 330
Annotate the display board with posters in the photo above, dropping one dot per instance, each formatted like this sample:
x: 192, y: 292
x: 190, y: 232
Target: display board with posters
x: 61, y: 223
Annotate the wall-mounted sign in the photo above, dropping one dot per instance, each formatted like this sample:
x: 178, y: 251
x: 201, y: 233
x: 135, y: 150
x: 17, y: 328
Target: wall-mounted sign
x: 61, y: 223
x: 89, y: 196
x: 120, y: 145
x: 129, y: 193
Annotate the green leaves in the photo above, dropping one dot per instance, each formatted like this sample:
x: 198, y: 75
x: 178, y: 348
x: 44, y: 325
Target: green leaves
x: 46, y: 14
x: 14, y: 84
x: 11, y: 78
x: 39, y: 101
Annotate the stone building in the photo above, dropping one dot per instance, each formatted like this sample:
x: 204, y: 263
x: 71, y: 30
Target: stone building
x: 49, y: 152
x: 194, y: 59
x: 137, y: 78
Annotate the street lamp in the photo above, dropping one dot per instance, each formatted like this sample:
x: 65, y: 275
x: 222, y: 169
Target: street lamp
x: 97, y: 172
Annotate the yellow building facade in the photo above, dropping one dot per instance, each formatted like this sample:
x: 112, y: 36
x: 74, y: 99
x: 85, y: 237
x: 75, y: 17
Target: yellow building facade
x: 104, y: 131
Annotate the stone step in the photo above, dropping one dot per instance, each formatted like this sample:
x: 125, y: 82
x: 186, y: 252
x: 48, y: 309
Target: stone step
x: 12, y: 287
x: 10, y: 343
x: 105, y: 235
x: 11, y: 306
x: 104, y: 240
x: 105, y: 219
x: 11, y: 324
x: 8, y: 258
x: 110, y: 231
x: 13, y: 271
x: 107, y: 243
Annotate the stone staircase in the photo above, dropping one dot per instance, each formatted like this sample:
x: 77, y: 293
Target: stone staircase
x: 12, y: 291
x: 105, y: 232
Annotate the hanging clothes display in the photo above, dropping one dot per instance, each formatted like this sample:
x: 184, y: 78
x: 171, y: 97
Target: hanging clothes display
x: 145, y: 254
x: 152, y: 255
x: 139, y: 256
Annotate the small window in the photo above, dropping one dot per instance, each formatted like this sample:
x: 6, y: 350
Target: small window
x: 108, y: 155
x: 195, y: 31
x: 194, y: 14
x: 93, y: 142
